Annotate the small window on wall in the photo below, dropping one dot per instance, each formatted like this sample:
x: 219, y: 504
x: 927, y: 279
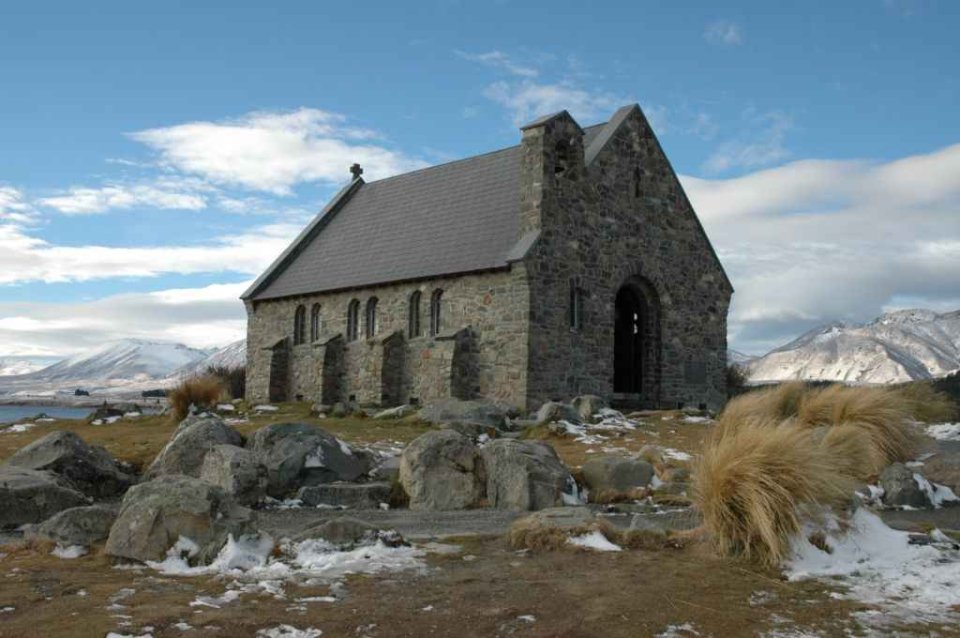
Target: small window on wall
x: 353, y: 320
x: 414, y: 330
x: 299, y: 326
x: 563, y: 157
x: 575, y: 310
x: 316, y: 322
x: 436, y: 320
x: 637, y: 183
x: 371, y: 323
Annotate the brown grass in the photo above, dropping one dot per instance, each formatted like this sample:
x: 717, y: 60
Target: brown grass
x: 202, y: 391
x: 607, y: 496
x: 529, y: 533
x: 764, y: 406
x: 926, y: 404
x: 751, y: 481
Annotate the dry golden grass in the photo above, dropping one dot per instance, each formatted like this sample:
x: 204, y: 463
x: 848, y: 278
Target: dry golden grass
x: 606, y: 496
x: 926, y: 404
x: 529, y: 533
x: 751, y: 481
x: 765, y: 406
x: 202, y: 391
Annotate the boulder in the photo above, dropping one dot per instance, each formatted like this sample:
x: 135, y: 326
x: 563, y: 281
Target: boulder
x: 944, y: 468
x: 237, y: 472
x: 298, y: 454
x: 442, y: 470
x: 342, y: 532
x: 398, y: 412
x: 452, y: 410
x: 388, y: 470
x: 186, y: 450
x: 618, y: 473
x: 342, y: 410
x: 551, y: 411
x: 32, y: 496
x: 587, y: 405
x: 155, y: 515
x: 104, y: 412
x: 79, y: 525
x: 473, y: 430
x: 87, y: 468
x: 349, y: 495
x: 524, y: 475
x: 900, y: 488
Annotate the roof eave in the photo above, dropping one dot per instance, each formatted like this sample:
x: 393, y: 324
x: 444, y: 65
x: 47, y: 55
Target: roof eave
x: 314, y: 227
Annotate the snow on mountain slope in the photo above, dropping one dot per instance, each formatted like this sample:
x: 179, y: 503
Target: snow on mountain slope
x: 129, y: 360
x: 231, y: 356
x: 14, y: 367
x: 897, y: 346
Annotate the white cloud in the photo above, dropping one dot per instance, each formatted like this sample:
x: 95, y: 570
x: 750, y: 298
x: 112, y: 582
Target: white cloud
x: 200, y: 317
x: 25, y: 258
x: 500, y: 60
x: 85, y: 201
x: 817, y: 240
x: 274, y: 151
x: 13, y: 207
x: 760, y: 144
x: 723, y: 32
x: 528, y: 100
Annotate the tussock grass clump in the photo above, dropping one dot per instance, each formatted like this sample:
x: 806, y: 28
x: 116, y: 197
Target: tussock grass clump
x: 751, y: 482
x: 607, y: 496
x: 927, y: 404
x: 767, y: 406
x: 234, y: 380
x: 199, y: 391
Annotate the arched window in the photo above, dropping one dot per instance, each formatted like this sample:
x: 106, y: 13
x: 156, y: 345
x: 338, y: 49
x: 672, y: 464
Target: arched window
x: 575, y: 310
x: 413, y: 321
x: 299, y: 326
x: 564, y: 157
x: 637, y: 182
x: 316, y: 323
x: 371, y: 327
x: 435, y: 316
x: 353, y: 320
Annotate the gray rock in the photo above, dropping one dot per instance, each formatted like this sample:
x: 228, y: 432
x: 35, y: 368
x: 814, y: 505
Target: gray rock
x: 32, y: 496
x: 900, y: 488
x: 442, y: 470
x: 588, y: 405
x: 552, y: 411
x: 389, y: 470
x: 103, y: 412
x: 342, y: 410
x: 524, y: 475
x: 562, y: 517
x: 79, y: 525
x: 349, y: 495
x: 618, y: 473
x: 670, y: 521
x: 944, y: 468
x: 473, y: 430
x: 298, y: 454
x: 451, y: 410
x: 343, y: 532
x: 193, y: 438
x: 237, y: 472
x: 87, y: 468
x: 398, y: 412
x: 156, y: 514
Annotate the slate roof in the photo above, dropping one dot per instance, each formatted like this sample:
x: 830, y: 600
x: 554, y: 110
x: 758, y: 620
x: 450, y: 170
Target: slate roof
x: 453, y: 218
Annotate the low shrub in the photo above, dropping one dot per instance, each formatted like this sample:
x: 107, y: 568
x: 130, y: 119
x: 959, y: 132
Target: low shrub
x: 234, y: 380
x: 202, y: 391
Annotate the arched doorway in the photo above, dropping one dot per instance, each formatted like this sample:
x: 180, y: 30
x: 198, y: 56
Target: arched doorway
x: 636, y: 364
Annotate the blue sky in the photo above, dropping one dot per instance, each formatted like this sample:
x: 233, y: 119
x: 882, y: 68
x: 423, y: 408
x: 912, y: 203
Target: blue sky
x: 153, y: 160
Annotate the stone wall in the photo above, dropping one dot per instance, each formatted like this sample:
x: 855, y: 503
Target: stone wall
x: 623, y: 217
x: 490, y: 307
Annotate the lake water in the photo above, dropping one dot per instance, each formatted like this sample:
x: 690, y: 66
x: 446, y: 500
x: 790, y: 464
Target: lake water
x: 10, y: 413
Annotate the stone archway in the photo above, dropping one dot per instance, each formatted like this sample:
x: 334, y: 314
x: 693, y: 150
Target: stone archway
x: 637, y: 343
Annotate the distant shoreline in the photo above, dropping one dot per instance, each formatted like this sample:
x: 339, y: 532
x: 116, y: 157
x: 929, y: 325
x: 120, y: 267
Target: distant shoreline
x: 78, y: 402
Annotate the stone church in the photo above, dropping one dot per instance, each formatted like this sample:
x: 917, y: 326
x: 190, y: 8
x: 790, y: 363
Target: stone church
x: 570, y: 264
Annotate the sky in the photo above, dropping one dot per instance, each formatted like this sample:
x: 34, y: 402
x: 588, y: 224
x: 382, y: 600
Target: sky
x: 155, y: 159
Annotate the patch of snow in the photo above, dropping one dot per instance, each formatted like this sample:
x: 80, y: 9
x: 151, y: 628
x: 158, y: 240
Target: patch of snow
x: 595, y: 541
x: 878, y: 566
x: 289, y: 631
x: 178, y: 557
x: 69, y: 552
x: 427, y: 608
x: 113, y: 634
x: 344, y: 448
x: 527, y: 618
x: 182, y: 626
x: 938, y: 494
x: 697, y: 419
x: 226, y: 407
x: 676, y: 455
x: 7, y: 610
x: 132, y: 415
x: 315, y: 458
x: 317, y: 599
x: 944, y: 431
x: 19, y: 427
x: 265, y: 408
x: 677, y: 631
x: 216, y: 602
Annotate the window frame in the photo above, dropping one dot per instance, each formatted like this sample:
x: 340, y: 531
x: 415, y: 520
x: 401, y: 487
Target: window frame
x: 575, y: 306
x: 300, y: 325
x: 436, y: 315
x: 370, y: 327
x: 353, y: 320
x: 414, y: 318
x: 316, y: 322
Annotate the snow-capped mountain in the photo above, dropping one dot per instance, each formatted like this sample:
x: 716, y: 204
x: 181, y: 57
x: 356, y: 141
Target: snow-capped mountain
x: 737, y: 358
x: 15, y: 367
x: 127, y: 360
x: 895, y: 347
x: 231, y: 356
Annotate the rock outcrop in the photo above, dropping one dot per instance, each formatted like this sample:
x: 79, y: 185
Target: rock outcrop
x: 32, y: 496
x: 193, y: 438
x: 79, y: 525
x: 442, y: 470
x: 237, y: 472
x: 618, y: 473
x: 524, y: 475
